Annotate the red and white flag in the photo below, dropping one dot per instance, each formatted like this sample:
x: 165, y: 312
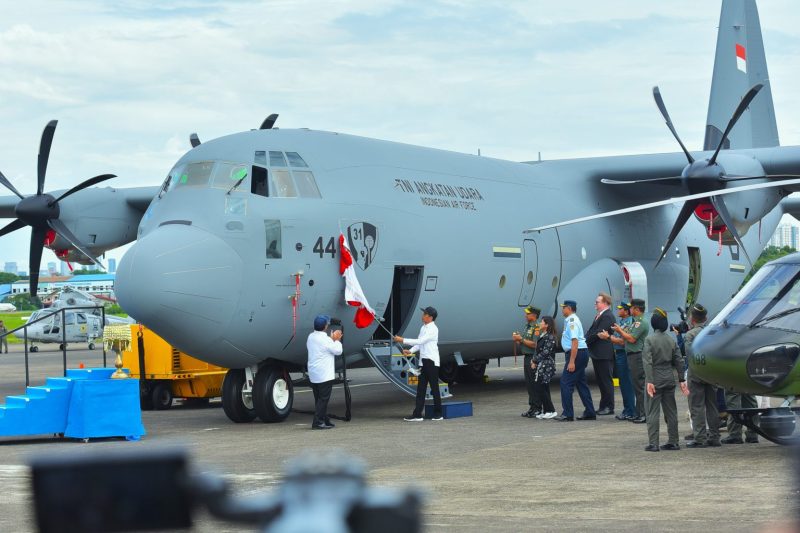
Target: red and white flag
x: 741, y: 58
x: 353, y: 294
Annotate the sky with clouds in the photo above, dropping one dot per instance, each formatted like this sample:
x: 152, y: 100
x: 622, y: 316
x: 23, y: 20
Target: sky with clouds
x: 130, y: 80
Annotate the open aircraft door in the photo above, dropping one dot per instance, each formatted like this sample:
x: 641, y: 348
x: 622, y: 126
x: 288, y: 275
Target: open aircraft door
x: 541, y: 272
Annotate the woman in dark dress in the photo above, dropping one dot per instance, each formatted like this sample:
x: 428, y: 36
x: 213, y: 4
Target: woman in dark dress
x: 544, y: 366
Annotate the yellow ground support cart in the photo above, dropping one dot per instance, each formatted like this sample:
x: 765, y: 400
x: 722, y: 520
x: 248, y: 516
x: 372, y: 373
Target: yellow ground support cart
x: 165, y: 373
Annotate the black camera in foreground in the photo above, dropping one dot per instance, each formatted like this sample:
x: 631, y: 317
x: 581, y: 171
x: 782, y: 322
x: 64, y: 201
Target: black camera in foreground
x: 682, y: 326
x: 156, y: 490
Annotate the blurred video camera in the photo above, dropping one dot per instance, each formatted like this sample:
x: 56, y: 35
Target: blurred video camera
x: 681, y: 327
x: 155, y: 490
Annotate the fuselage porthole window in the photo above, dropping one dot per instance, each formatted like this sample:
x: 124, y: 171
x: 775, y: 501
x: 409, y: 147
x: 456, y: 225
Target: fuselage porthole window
x: 306, y: 184
x: 272, y: 230
x: 295, y: 160
x: 276, y: 159
x: 258, y: 181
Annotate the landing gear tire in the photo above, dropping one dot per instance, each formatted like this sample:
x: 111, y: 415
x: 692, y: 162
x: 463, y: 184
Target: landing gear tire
x: 237, y: 407
x: 273, y: 394
x: 161, y: 396
x: 61, y: 346
x: 472, y: 372
x: 448, y: 372
x: 91, y: 346
x: 34, y: 349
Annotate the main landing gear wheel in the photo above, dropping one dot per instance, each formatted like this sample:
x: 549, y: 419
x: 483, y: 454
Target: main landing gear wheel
x: 237, y: 406
x: 273, y: 394
x: 161, y: 396
x: 472, y: 372
x: 91, y: 346
x: 62, y: 346
x: 448, y: 372
x: 34, y: 349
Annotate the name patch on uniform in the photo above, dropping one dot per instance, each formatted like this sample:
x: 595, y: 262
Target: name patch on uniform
x: 506, y: 251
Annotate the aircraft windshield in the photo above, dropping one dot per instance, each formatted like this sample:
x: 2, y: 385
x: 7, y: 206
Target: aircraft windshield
x: 771, y: 300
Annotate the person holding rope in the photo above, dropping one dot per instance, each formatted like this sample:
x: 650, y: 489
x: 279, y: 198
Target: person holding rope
x: 322, y: 349
x: 428, y: 347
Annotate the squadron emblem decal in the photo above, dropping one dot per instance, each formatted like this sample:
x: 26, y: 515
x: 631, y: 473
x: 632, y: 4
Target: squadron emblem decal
x: 363, y: 240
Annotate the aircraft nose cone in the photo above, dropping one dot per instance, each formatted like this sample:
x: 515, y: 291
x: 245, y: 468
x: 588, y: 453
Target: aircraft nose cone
x: 183, y: 283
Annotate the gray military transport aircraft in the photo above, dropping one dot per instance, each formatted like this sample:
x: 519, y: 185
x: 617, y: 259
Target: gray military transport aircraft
x: 237, y: 250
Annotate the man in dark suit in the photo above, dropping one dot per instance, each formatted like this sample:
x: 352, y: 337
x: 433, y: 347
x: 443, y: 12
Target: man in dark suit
x: 602, y: 352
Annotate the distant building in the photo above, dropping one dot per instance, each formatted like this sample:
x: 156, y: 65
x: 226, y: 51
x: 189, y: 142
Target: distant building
x: 64, y: 269
x: 51, y: 268
x: 112, y: 266
x: 96, y: 284
x: 786, y: 235
x: 10, y: 267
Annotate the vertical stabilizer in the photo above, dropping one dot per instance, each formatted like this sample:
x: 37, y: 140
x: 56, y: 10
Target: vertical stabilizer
x: 740, y: 63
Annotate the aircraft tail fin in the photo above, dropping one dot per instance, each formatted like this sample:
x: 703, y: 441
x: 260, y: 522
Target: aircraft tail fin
x: 740, y: 63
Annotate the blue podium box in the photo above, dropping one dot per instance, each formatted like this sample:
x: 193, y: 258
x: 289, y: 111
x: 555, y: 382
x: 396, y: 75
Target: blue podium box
x: 102, y: 407
x: 451, y: 409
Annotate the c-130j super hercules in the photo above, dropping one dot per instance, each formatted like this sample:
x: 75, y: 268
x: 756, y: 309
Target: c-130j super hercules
x: 237, y: 250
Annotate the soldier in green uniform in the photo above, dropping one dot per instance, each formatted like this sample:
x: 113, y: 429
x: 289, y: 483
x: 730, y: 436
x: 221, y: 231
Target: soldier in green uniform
x: 635, y: 335
x: 662, y: 360
x: 702, y: 395
x: 526, y: 341
x: 734, y: 400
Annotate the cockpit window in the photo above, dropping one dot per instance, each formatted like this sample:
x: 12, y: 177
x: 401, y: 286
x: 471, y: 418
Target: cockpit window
x: 306, y: 185
x: 227, y: 174
x: 196, y: 174
x: 768, y: 300
x: 281, y: 184
x: 276, y: 159
x: 295, y: 160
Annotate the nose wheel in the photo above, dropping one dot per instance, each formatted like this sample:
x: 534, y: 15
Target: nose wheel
x: 273, y: 394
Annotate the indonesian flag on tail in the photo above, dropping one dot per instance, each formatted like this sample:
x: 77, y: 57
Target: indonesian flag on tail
x: 741, y: 58
x: 353, y: 294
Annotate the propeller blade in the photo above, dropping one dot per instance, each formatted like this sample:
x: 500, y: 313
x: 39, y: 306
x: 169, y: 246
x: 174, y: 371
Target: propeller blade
x: 44, y: 153
x: 675, y: 200
x: 663, y: 109
x: 735, y: 118
x: 768, y: 176
x: 14, y: 226
x: 88, y: 183
x: 35, y: 258
x: 672, y: 180
x: 10, y: 187
x: 686, y: 213
x: 195, y: 140
x: 722, y: 210
x: 269, y: 122
x: 62, y: 229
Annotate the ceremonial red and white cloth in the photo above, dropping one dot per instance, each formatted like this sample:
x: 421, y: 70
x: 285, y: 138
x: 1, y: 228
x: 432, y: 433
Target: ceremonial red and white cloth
x: 353, y: 294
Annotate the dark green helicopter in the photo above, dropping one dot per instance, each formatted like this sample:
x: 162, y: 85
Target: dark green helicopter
x: 752, y: 346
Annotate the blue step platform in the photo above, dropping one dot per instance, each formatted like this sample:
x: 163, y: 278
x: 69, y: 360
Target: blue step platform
x: 451, y: 409
x: 84, y: 405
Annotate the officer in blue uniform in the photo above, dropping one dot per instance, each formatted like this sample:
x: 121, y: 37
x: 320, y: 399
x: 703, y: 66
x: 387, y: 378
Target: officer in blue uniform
x: 576, y: 356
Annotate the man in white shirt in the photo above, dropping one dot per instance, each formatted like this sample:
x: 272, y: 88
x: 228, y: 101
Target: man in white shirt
x: 322, y: 350
x: 427, y: 346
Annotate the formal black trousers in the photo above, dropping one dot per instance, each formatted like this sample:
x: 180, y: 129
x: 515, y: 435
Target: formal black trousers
x: 530, y: 379
x: 429, y: 373
x: 603, y: 371
x: 322, y: 394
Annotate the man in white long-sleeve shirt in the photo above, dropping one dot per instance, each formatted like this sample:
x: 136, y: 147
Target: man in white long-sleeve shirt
x: 322, y: 350
x: 427, y: 346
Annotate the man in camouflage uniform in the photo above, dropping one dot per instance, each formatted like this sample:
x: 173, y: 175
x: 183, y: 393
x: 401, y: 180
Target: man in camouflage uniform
x: 634, y: 336
x: 702, y: 395
x: 526, y: 341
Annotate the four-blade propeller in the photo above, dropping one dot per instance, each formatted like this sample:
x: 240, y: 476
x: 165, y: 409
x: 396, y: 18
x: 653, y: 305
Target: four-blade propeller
x: 41, y: 211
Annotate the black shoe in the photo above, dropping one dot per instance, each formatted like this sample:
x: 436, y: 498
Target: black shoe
x: 529, y: 414
x: 752, y: 439
x: 690, y: 436
x: 621, y: 417
x: 321, y: 426
x: 732, y: 440
x: 695, y: 444
x: 639, y: 420
x: 651, y: 448
x: 329, y: 423
x: 670, y: 447
x: 714, y: 444
x: 605, y: 411
x: 586, y: 417
x: 563, y: 418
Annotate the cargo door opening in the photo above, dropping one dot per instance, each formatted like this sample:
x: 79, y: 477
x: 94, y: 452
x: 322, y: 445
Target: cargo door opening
x: 695, y: 276
x: 406, y: 287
